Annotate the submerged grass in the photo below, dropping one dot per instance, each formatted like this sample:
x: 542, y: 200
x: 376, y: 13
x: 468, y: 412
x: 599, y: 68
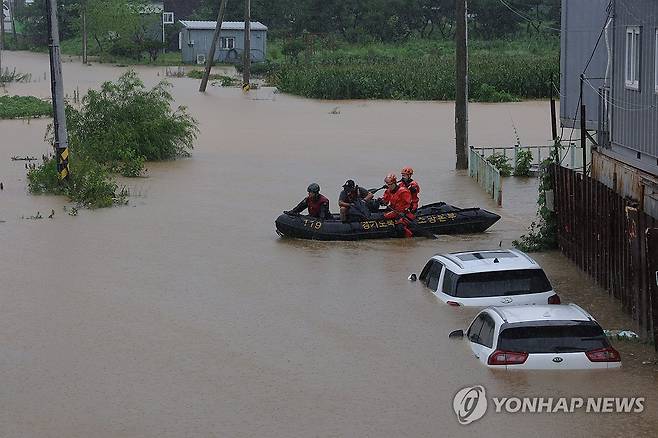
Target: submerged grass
x: 16, y: 107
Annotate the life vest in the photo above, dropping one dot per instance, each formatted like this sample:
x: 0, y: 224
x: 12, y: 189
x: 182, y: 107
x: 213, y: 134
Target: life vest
x: 399, y: 200
x: 414, y: 189
x: 314, y: 205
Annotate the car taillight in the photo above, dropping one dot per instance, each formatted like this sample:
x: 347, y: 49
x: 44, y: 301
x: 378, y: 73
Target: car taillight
x: 554, y: 299
x: 604, y: 355
x: 500, y: 357
x: 453, y: 303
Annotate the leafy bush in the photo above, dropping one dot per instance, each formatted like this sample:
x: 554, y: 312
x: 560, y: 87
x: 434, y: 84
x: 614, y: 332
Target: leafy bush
x: 501, y: 162
x: 14, y: 107
x: 292, y: 48
x: 523, y: 163
x: 90, y: 183
x: 488, y: 93
x: 123, y: 125
x: 543, y: 234
x: 116, y: 130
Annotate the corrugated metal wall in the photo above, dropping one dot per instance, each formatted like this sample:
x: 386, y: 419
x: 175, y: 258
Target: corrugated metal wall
x: 635, y: 113
x: 203, y: 38
x: 582, y: 21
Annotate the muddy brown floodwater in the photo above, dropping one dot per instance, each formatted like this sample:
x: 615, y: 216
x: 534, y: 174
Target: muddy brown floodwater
x: 185, y: 315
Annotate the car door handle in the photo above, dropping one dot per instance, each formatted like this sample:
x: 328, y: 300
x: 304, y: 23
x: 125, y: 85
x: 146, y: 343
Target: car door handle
x: 476, y: 356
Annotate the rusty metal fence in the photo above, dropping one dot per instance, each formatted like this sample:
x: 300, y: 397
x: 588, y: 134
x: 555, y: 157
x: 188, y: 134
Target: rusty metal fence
x: 612, y: 240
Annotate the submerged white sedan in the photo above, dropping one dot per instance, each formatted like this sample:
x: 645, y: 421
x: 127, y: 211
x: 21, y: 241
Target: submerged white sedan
x: 540, y: 337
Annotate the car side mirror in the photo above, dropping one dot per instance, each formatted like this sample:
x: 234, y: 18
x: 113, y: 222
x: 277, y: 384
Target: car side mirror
x: 455, y: 334
x: 413, y: 277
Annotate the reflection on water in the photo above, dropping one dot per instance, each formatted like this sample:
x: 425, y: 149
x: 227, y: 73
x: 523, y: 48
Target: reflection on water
x: 184, y: 314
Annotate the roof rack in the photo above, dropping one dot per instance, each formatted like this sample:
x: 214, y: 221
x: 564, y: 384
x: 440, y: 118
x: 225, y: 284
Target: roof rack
x: 524, y: 255
x: 453, y: 259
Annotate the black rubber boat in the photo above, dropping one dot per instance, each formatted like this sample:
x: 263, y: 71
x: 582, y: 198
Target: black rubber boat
x: 437, y: 218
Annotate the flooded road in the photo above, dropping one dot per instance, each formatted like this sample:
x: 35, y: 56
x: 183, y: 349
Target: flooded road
x: 183, y: 314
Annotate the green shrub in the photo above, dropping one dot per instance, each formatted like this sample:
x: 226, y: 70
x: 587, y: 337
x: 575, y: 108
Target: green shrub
x: 116, y: 130
x: 543, y: 234
x: 500, y: 162
x: 14, y: 107
x: 488, y: 93
x: 125, y: 124
x: 90, y: 183
x: 523, y: 163
x: 293, y: 47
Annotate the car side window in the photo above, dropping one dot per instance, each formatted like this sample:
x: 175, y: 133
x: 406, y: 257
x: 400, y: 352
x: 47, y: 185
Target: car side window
x: 434, y: 275
x: 449, y: 282
x: 475, y: 329
x: 425, y: 272
x: 487, y: 332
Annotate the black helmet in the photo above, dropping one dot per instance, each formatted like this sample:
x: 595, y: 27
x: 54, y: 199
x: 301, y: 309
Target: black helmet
x: 314, y: 188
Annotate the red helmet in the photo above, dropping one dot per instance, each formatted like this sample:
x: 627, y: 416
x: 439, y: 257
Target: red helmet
x: 407, y: 171
x: 391, y: 179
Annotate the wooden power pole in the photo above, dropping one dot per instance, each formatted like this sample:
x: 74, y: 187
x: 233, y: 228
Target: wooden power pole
x: 246, y: 56
x: 2, y: 33
x: 84, y: 33
x: 213, y: 46
x: 57, y: 89
x: 461, y: 85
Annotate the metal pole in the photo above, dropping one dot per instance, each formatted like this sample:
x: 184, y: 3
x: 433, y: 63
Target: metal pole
x: 57, y: 89
x: 461, y: 84
x: 246, y: 56
x: 213, y: 46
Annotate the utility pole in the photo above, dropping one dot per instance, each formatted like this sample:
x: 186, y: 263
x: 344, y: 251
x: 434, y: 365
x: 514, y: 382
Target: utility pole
x: 2, y: 33
x: 84, y: 32
x: 246, y: 56
x: 461, y: 84
x: 213, y: 46
x: 57, y: 89
x: 12, y: 14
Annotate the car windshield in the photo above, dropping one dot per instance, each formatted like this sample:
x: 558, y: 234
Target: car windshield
x: 500, y: 283
x: 553, y: 338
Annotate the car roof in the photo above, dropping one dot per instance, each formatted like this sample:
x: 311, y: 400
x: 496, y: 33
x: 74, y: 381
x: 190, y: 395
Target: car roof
x: 546, y: 312
x: 466, y: 262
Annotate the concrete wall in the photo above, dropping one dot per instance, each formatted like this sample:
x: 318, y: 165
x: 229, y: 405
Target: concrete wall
x: 203, y: 38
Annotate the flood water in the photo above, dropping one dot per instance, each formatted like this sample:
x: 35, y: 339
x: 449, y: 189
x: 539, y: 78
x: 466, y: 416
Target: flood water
x: 183, y: 314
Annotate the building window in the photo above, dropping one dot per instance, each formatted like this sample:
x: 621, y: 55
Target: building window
x: 227, y: 43
x: 168, y: 18
x: 633, y: 57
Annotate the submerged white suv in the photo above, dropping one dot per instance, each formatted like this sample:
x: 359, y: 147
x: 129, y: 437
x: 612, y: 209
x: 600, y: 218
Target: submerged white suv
x: 539, y: 338
x: 488, y: 278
